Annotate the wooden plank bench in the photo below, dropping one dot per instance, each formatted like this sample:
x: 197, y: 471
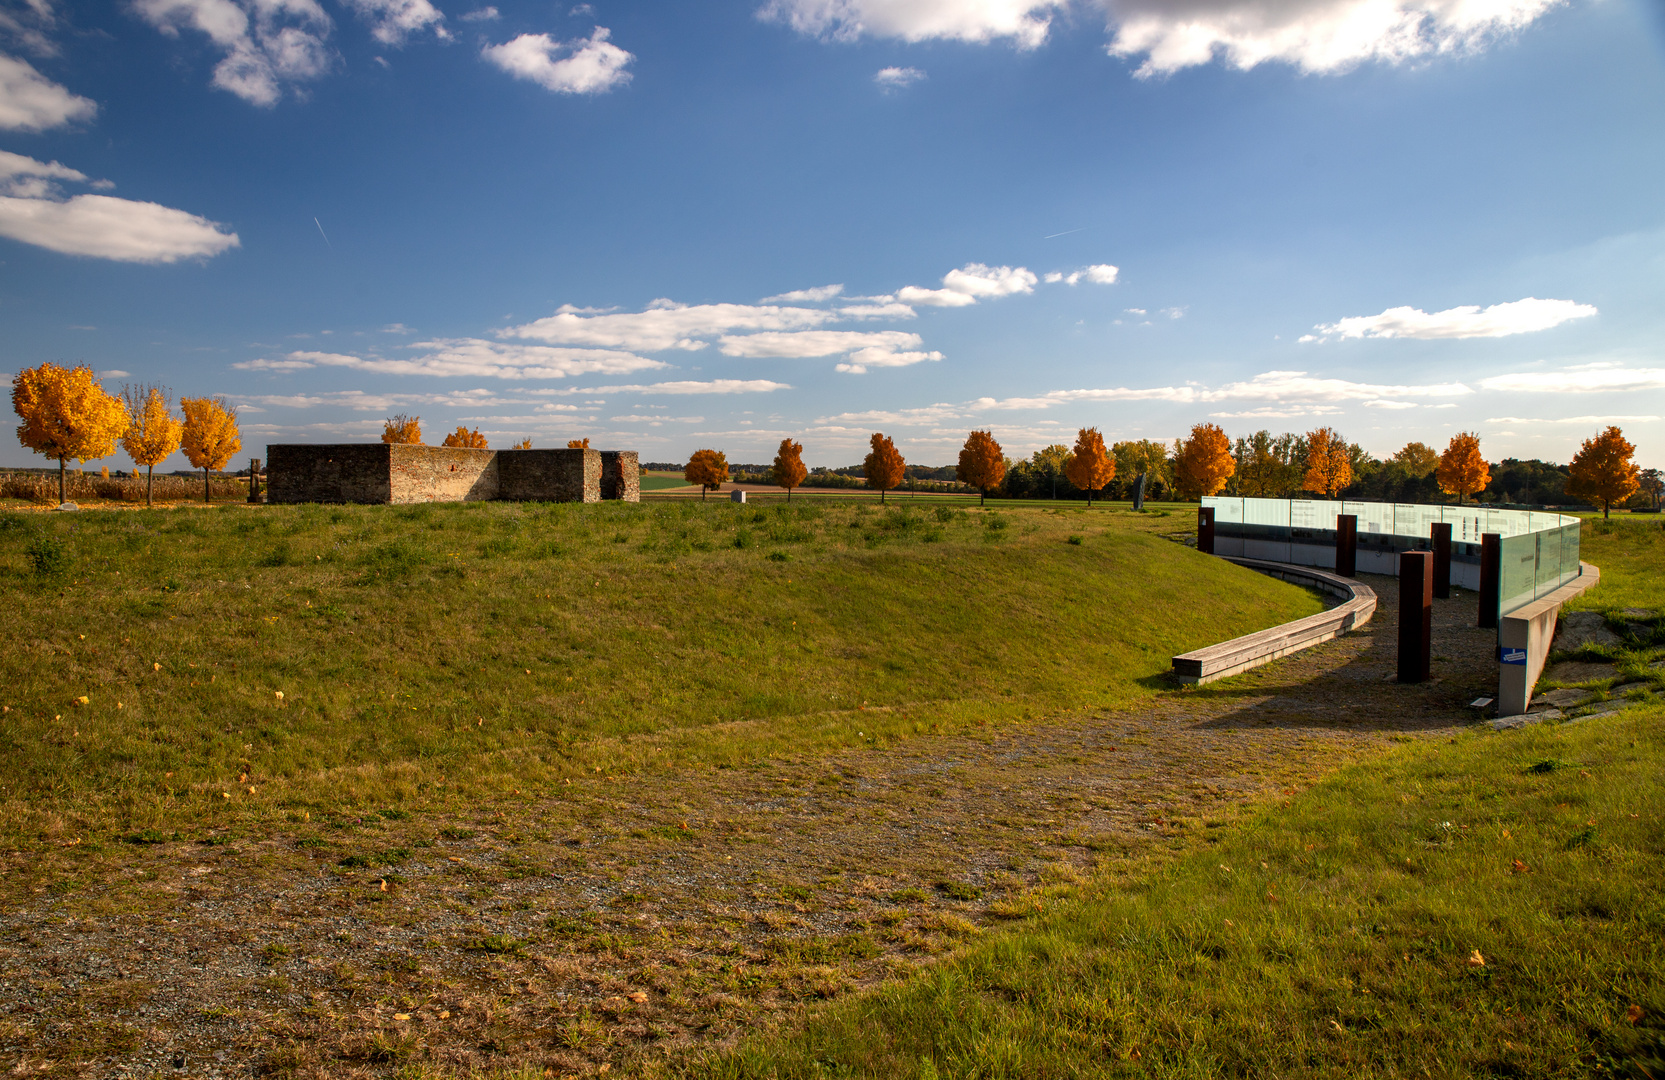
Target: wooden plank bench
x: 1251, y: 650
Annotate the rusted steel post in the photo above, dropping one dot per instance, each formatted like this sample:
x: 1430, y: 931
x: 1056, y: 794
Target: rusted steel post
x: 1442, y: 560
x: 1347, y: 545
x: 1416, y: 615
x: 1491, y: 570
x: 1205, y: 529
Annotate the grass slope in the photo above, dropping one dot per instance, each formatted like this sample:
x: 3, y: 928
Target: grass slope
x: 1484, y: 907
x: 1630, y: 551
x: 432, y: 655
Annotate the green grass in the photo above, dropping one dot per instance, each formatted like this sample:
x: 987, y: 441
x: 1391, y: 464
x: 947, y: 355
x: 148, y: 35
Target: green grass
x: 659, y: 482
x: 431, y: 656
x: 1337, y: 937
x: 1630, y: 552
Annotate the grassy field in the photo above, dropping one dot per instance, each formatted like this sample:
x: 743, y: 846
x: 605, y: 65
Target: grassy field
x: 184, y: 669
x: 1487, y: 906
x: 1630, y: 551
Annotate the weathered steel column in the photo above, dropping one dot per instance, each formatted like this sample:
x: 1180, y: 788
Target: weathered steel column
x: 254, y: 480
x: 1491, y: 570
x: 1416, y: 615
x: 1442, y: 560
x: 1205, y: 529
x: 1347, y: 545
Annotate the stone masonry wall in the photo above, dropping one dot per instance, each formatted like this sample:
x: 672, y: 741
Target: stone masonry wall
x: 380, y: 473
x: 621, y: 475
x: 442, y: 474
x: 559, y: 475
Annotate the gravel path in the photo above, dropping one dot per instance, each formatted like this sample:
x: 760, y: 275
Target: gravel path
x: 610, y: 923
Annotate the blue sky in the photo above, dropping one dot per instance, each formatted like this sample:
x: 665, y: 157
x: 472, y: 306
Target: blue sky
x: 671, y: 226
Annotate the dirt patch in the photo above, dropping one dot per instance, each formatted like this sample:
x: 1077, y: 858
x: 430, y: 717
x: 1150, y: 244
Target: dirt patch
x: 621, y: 919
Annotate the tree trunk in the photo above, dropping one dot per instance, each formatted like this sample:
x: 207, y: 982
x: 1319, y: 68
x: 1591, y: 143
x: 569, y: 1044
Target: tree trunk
x: 982, y: 496
x: 1606, y: 509
x: 881, y: 496
x: 207, y: 495
x: 62, y: 498
x: 150, y: 480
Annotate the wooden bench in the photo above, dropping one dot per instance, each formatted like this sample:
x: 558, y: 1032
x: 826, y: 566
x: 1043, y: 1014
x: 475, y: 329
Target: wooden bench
x: 1251, y: 650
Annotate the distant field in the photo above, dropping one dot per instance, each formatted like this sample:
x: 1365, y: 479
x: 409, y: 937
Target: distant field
x: 660, y: 481
x: 437, y: 653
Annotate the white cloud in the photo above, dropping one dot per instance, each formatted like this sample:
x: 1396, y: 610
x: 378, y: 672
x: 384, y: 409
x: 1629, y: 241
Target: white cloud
x: 1580, y: 379
x: 263, y: 364
x: 805, y: 296
x: 1024, y: 22
x: 877, y: 311
x: 114, y: 373
x: 808, y: 343
x: 859, y: 361
x: 33, y: 211
x: 591, y: 66
x: 29, y: 22
x: 656, y: 420
x: 1312, y: 35
x: 485, y: 14
x: 1583, y: 421
x: 1470, y: 321
x: 1282, y: 412
x: 667, y: 325
x: 1388, y: 403
x: 1098, y: 274
x: 897, y: 78
x: 686, y: 386
x: 473, y: 357
x: 29, y: 101
x: 283, y: 43
x: 393, y: 21
x: 964, y: 287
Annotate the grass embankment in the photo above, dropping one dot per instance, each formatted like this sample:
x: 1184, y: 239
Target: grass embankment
x: 430, y: 656
x: 1630, y: 552
x: 1484, y: 907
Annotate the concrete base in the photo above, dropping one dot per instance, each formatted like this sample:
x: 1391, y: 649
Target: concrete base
x: 1524, y: 637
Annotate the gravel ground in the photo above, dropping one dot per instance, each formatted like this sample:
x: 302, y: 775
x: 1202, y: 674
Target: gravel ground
x: 611, y: 925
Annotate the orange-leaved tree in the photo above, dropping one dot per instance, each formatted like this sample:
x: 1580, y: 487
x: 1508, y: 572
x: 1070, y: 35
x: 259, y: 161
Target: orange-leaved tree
x: 982, y: 463
x: 1203, y: 463
x: 789, y: 469
x: 1462, y: 471
x: 708, y: 469
x: 402, y: 430
x: 66, y: 414
x: 524, y: 444
x: 1329, y: 464
x: 1089, y: 466
x: 210, y: 437
x: 572, y: 444
x: 154, y: 432
x: 883, y: 467
x: 467, y: 439
x: 1602, y: 470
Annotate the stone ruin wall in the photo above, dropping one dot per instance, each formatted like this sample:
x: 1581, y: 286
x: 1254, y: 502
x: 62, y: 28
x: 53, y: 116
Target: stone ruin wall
x: 383, y: 473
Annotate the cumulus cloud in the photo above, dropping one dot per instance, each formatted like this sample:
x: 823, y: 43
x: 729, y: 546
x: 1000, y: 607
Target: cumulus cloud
x: 1023, y: 22
x: 859, y: 361
x: 1582, y: 421
x: 485, y: 14
x: 974, y: 281
x: 587, y: 66
x: 29, y: 101
x: 1470, y: 321
x: 1580, y: 379
x: 392, y: 22
x: 33, y: 210
x: 1098, y: 274
x: 1312, y: 35
x: 667, y: 325
x: 816, y: 295
x: 693, y: 386
x: 267, y: 44
x: 897, y: 78
x: 808, y: 343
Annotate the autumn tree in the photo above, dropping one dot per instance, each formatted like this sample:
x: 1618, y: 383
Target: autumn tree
x: 524, y: 444
x: 1602, y: 470
x: 789, y: 469
x: 402, y: 430
x: 1462, y: 471
x: 1203, y: 463
x: 982, y: 463
x: 1141, y: 458
x: 1089, y: 467
x: 154, y: 432
x: 708, y: 469
x: 467, y: 439
x: 210, y: 437
x: 1329, y: 463
x: 572, y: 444
x: 1418, y: 459
x: 66, y: 414
x: 883, y: 467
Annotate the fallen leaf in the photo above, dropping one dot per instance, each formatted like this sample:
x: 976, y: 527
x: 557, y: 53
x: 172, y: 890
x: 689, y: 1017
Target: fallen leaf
x: 82, y: 700
x: 1476, y: 960
x: 401, y: 1016
x: 1634, y: 1014
x: 156, y: 667
x: 1338, y: 1027
x: 1521, y: 868
x: 1505, y: 834
x: 639, y: 996
x: 384, y: 885
x: 279, y: 694
x: 445, y: 1015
